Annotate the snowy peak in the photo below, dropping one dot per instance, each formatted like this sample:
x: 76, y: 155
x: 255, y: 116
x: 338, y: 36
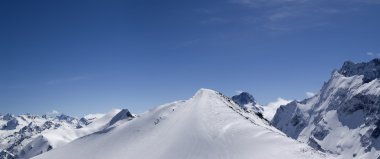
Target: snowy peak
x: 204, y: 93
x: 370, y: 70
x: 249, y: 104
x: 123, y: 114
x: 208, y: 125
x: 244, y: 98
x: 7, y: 117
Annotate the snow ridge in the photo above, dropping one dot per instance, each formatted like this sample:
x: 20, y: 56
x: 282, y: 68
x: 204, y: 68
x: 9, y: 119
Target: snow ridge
x: 208, y: 125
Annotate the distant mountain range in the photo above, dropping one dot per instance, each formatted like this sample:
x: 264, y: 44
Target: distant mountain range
x: 341, y: 121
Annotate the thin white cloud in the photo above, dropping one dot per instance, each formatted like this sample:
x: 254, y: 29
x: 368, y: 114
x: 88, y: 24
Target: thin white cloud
x: 238, y: 91
x: 271, y: 108
x: 373, y: 55
x: 276, y: 14
x: 53, y: 113
x: 280, y: 101
x: 310, y: 94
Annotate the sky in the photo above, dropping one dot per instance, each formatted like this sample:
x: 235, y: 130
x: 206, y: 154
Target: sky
x: 89, y: 56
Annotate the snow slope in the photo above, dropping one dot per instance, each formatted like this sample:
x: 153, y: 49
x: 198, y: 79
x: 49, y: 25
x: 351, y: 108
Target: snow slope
x: 58, y: 137
x: 209, y: 125
x: 343, y: 118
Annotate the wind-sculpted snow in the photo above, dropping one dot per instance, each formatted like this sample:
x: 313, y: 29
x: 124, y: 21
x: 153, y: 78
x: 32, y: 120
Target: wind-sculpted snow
x: 343, y: 118
x: 209, y: 125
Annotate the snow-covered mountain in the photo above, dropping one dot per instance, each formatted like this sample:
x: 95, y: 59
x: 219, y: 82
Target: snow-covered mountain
x: 18, y: 131
x: 26, y: 136
x: 248, y: 103
x: 343, y: 118
x: 208, y: 125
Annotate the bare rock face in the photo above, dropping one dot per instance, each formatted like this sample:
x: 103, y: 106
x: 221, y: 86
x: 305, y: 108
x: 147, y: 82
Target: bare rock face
x: 243, y: 99
x: 11, y: 124
x: 343, y: 118
x: 248, y: 103
x: 370, y: 70
x: 123, y: 114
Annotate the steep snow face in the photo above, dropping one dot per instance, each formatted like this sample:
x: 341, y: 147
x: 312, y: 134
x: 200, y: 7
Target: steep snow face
x: 209, y: 125
x: 343, y: 118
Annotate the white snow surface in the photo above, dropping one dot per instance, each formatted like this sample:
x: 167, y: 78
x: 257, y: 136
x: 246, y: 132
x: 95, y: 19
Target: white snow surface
x: 63, y: 135
x: 208, y: 125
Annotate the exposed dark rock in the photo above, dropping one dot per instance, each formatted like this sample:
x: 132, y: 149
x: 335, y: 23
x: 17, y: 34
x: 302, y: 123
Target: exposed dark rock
x: 243, y: 99
x: 123, y: 114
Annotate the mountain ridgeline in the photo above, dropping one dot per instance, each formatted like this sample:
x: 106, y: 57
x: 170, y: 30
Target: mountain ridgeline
x: 208, y: 125
x: 341, y: 121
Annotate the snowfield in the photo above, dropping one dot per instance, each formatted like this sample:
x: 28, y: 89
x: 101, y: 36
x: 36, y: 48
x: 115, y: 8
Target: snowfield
x: 209, y: 125
x: 61, y: 136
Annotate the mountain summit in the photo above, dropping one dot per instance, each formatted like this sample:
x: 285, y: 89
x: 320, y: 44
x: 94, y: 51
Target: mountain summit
x: 370, y: 70
x: 243, y: 99
x: 208, y: 125
x: 248, y: 103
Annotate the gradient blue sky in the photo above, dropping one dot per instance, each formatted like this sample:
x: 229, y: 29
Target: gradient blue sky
x: 88, y: 56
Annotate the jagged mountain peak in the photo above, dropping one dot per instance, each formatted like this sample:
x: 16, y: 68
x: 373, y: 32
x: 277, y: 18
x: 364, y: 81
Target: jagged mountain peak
x: 8, y: 116
x: 370, y: 70
x: 123, y: 114
x: 244, y: 98
x: 247, y: 102
x: 347, y: 104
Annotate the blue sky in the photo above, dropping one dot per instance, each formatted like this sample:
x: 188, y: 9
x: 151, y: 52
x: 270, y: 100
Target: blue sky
x: 80, y: 57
